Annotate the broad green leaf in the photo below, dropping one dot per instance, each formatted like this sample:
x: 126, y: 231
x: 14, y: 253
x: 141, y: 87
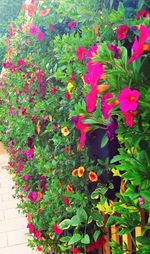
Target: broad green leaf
x: 65, y: 224
x: 74, y: 239
x: 85, y: 239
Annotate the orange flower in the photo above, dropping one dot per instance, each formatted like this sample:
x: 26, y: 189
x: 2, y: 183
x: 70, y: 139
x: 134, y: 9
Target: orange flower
x: 65, y: 131
x: 29, y: 217
x: 40, y: 210
x: 81, y: 171
x: 39, y: 196
x: 93, y: 176
x: 69, y: 189
x: 44, y: 12
x: 146, y: 47
x: 23, y: 75
x: 75, y: 172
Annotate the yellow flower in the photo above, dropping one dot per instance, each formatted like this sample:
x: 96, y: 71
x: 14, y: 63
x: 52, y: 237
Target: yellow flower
x: 65, y: 132
x: 106, y: 208
x: 70, y: 87
x: 115, y: 172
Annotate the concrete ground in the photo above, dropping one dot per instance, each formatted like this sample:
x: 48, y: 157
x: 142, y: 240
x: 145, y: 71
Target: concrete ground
x: 13, y: 225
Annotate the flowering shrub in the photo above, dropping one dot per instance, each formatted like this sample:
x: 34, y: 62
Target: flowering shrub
x: 75, y: 119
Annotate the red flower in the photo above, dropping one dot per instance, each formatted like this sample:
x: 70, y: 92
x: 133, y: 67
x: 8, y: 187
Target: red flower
x: 39, y: 248
x: 75, y: 250
x: 66, y: 200
x: 80, y: 53
x: 67, y: 150
x: 24, y: 111
x: 57, y: 230
x: 67, y: 96
x: 96, y: 245
x: 142, y: 13
x: 83, y: 128
x: 121, y: 32
x: 129, y: 117
x: 53, y: 90
x: 93, y: 176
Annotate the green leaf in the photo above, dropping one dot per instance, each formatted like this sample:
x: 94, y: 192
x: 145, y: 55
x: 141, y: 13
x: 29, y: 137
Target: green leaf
x: 65, y: 224
x: 65, y: 239
x: 104, y: 141
x: 75, y: 221
x: 82, y: 215
x: 146, y: 195
x: 111, y: 220
x: 74, y: 239
x: 85, y: 239
x: 95, y: 194
x: 96, y: 235
x: 96, y: 215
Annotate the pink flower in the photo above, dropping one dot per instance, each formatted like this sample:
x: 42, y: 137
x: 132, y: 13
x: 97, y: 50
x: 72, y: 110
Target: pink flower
x: 26, y: 177
x: 129, y: 117
x: 40, y: 76
x: 121, y: 32
x: 37, y: 234
x: 128, y: 99
x: 83, y: 128
x: 137, y: 47
x: 40, y: 36
x: 34, y: 30
x: 91, y: 98
x: 51, y: 28
x: 57, y: 230
x: 67, y: 96
x: 141, y: 201
x: 92, y: 51
x: 53, y: 90
x: 72, y: 25
x: 32, y: 196
x: 21, y: 62
x: 44, y: 13
x: 95, y: 71
x: 31, y: 228
x: 80, y: 53
x: 142, y: 13
x: 106, y: 105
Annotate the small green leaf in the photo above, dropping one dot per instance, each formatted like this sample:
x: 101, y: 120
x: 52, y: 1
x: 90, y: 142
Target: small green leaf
x: 104, y: 141
x: 96, y: 235
x: 65, y: 224
x: 82, y: 215
x: 74, y: 221
x: 74, y: 239
x: 85, y: 239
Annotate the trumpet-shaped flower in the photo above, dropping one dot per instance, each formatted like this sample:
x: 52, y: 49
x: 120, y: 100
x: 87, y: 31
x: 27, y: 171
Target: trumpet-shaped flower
x: 80, y: 53
x: 128, y: 99
x: 137, y: 47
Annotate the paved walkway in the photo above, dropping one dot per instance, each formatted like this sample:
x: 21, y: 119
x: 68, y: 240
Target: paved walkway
x: 12, y: 224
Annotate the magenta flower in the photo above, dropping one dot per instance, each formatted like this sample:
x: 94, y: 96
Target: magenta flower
x: 106, y: 105
x: 72, y: 25
x: 21, y: 62
x: 51, y: 28
x: 34, y: 30
x: 141, y: 201
x: 40, y: 76
x: 91, y: 98
x: 32, y: 196
x: 122, y: 32
x: 114, y: 49
x: 128, y: 99
x: 129, y: 117
x: 53, y: 90
x: 80, y: 53
x: 142, y: 13
x: 92, y: 51
x: 31, y: 228
x: 40, y: 36
x: 83, y: 128
x: 26, y: 177
x: 67, y: 96
x: 137, y: 47
x: 30, y: 153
